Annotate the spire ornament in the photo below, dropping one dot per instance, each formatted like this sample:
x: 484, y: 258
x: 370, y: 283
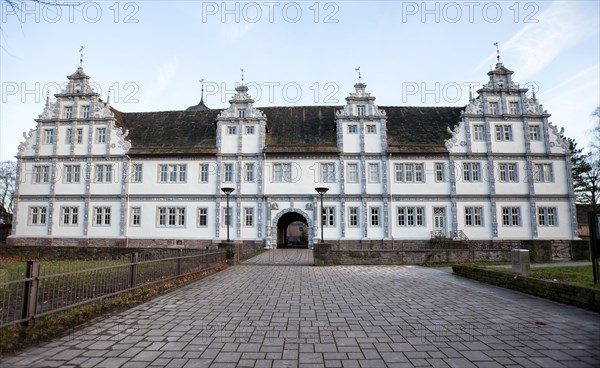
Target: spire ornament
x: 497, y: 52
x: 358, y: 70
x: 81, y: 56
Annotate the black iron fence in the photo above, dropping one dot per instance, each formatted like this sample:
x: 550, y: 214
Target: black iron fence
x: 29, y: 290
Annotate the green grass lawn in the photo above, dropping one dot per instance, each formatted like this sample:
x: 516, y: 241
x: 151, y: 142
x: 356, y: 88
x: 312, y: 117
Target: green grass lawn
x: 577, y: 275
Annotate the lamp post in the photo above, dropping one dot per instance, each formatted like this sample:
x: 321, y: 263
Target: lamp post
x: 321, y: 191
x: 227, y: 192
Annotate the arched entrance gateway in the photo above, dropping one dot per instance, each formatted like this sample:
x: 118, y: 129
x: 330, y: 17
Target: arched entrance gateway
x: 294, y: 229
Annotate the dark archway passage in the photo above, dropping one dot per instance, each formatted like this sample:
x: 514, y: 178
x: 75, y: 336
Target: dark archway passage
x: 292, y: 231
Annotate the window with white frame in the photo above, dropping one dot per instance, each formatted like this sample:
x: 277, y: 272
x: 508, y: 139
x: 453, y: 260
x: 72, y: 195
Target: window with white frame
x: 48, y: 136
x: 202, y: 217
x: 68, y: 112
x: 69, y: 215
x: 371, y: 128
x: 249, y: 172
x: 508, y: 172
x: 227, y: 173
x: 204, y: 170
x: 513, y: 108
x: 137, y: 173
x: 328, y: 172
x: 37, y: 215
x: 41, y: 174
x: 250, y: 129
x: 471, y: 171
x: 171, y: 217
x: 410, y: 216
x: 352, y: 129
x: 103, y: 173
x: 72, y: 173
x: 79, y: 136
x: 511, y: 216
x: 249, y: 216
x: 70, y: 137
x: 361, y: 110
x: 241, y: 113
x: 409, y: 173
x: 494, y: 108
x: 542, y: 173
x: 231, y: 130
x: 352, y: 173
x: 375, y: 214
x: 282, y: 173
x: 102, y: 215
x: 353, y: 216
x: 100, y: 135
x: 478, y: 132
x: 172, y: 173
x: 440, y: 172
x: 504, y: 133
x: 473, y: 216
x: 136, y: 216
x: 547, y: 216
x: 534, y: 132
x: 226, y: 212
x: 328, y: 216
x: 85, y: 111
x: 374, y: 174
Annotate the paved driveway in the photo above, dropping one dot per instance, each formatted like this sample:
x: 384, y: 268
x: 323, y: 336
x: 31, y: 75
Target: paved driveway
x: 261, y: 315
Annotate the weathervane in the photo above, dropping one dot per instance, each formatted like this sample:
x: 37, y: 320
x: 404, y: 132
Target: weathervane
x: 202, y: 93
x: 242, y: 69
x: 497, y: 51
x: 358, y: 70
x: 81, y: 56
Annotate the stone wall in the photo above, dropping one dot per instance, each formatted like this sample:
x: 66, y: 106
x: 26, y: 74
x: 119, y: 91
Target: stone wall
x: 579, y: 296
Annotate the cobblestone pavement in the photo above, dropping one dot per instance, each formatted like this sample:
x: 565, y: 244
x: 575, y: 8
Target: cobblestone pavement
x: 283, y: 256
x: 343, y: 316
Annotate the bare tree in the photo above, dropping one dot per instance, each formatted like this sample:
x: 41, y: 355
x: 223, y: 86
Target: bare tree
x: 8, y: 181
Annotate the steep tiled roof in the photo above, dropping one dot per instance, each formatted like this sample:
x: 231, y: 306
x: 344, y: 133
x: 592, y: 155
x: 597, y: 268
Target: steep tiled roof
x: 302, y: 129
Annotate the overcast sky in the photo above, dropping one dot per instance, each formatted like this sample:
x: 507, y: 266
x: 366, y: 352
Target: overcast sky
x: 152, y: 54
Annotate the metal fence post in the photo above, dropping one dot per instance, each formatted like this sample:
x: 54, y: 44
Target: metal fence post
x: 30, y: 293
x: 179, y: 262
x: 133, y: 274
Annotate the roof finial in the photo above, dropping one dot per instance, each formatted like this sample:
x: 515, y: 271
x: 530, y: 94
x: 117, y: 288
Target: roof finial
x: 533, y: 89
x: 242, y: 69
x: 497, y: 51
x: 81, y: 56
x: 470, y: 93
x: 47, y: 97
x: 108, y: 97
x: 202, y: 93
x: 358, y: 70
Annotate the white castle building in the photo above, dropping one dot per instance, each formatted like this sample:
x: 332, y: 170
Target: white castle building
x: 493, y: 171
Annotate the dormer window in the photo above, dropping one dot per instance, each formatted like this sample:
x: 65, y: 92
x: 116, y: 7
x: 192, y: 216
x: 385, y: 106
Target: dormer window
x: 513, y: 107
x: 241, y: 113
x: 361, y: 110
x: 494, y: 108
x: 85, y: 112
x: 68, y: 112
x: 231, y: 130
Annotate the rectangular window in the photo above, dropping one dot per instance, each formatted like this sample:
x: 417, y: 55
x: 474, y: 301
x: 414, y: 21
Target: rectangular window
x: 371, y: 128
x: 328, y: 216
x: 70, y: 138
x: 503, y: 133
x: 471, y: 171
x: 72, y: 173
x: 352, y: 173
x: 249, y: 216
x: 478, y: 133
x: 226, y: 216
x: 375, y: 216
x: 410, y: 216
x: 473, y: 216
x: 409, y: 173
x: 136, y: 216
x: 103, y: 173
x: 250, y: 130
x: 361, y: 110
x: 41, y: 174
x: 542, y: 173
x: 352, y: 129
x: 85, y: 111
x: 37, y: 215
x: 508, y: 172
x: 68, y: 112
x: 231, y: 130
x: 69, y: 215
x: 171, y: 216
x: 513, y: 107
x: 328, y: 172
x: 534, y: 133
x: 79, y: 136
x: 137, y: 173
x: 282, y: 173
x: 172, y: 173
x: 204, y: 173
x: 353, y: 216
x: 249, y: 173
x: 511, y: 216
x: 440, y: 175
x: 202, y: 217
x: 374, y: 173
x: 102, y: 216
x: 228, y: 173
x: 100, y: 135
x: 48, y: 136
x: 494, y: 108
x: 547, y: 216
x: 241, y: 114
